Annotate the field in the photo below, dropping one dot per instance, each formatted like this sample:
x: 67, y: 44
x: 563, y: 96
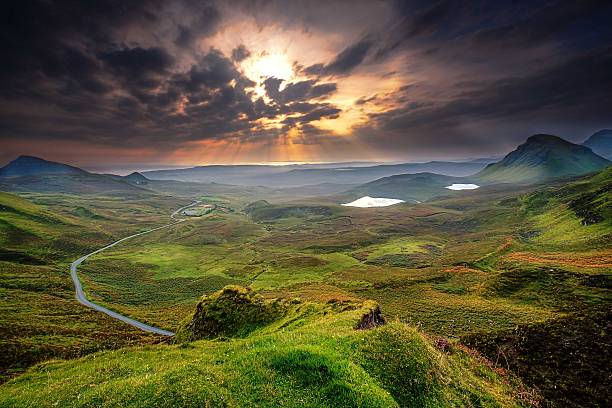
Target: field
x: 480, y: 261
x: 311, y: 356
x: 450, y: 267
x: 40, y: 235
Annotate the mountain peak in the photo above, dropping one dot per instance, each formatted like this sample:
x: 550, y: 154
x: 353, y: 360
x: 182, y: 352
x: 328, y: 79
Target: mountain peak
x: 136, y: 178
x: 542, y: 138
x: 601, y: 143
x: 543, y: 157
x: 25, y: 157
x: 35, y: 166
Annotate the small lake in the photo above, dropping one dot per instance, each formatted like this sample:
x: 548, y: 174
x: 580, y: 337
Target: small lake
x: 462, y: 186
x: 367, y: 201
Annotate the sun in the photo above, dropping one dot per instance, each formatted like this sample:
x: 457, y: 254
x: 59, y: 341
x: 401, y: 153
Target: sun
x: 275, y: 65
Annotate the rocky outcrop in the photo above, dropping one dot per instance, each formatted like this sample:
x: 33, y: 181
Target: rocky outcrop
x: 372, y: 319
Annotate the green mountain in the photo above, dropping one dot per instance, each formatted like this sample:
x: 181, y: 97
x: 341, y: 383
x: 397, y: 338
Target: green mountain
x: 408, y: 187
x: 601, y: 143
x: 35, y: 166
x: 33, y: 174
x: 136, y: 178
x: 542, y: 157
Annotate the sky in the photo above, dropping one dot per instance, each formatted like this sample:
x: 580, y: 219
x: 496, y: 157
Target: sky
x: 160, y: 83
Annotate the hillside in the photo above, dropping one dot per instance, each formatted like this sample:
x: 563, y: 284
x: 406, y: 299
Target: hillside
x: 575, y: 213
x: 540, y: 158
x: 301, y: 175
x: 601, y: 143
x: 309, y: 356
x: 33, y: 174
x: 39, y: 236
x: 34, y: 166
x: 136, y: 178
x: 409, y: 187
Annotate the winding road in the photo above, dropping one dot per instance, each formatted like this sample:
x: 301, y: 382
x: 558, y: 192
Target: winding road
x: 80, y: 295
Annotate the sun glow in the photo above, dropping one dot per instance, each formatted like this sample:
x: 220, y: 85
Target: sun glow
x: 269, y: 65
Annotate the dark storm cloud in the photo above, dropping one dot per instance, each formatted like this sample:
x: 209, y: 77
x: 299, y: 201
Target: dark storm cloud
x: 240, y: 53
x: 206, y: 22
x: 319, y: 112
x: 344, y: 62
x: 466, y: 74
x: 146, y: 67
x: 540, y: 25
x: 577, y: 88
x: 297, y: 91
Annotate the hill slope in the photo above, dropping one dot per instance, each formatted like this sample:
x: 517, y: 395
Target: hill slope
x: 601, y: 143
x: 301, y: 175
x: 136, y: 178
x: 543, y: 157
x: 35, y: 166
x: 311, y: 357
x: 33, y: 174
x: 409, y: 187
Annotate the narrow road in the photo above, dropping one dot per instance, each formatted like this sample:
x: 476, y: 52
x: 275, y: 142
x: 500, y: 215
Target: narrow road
x: 80, y: 295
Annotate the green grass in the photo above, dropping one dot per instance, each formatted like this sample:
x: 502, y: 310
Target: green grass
x: 484, y: 261
x: 313, y: 357
x: 39, y: 236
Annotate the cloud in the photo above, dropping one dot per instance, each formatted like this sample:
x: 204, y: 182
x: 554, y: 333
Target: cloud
x: 344, y: 62
x: 319, y: 112
x: 240, y: 53
x: 297, y: 91
x: 409, y: 77
x: 576, y: 88
x: 139, y: 65
x: 205, y: 24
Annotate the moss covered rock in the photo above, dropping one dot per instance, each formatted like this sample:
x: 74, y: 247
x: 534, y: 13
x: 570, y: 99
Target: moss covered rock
x: 233, y: 311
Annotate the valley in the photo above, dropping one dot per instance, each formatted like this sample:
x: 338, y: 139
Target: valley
x: 313, y: 204
x: 460, y: 267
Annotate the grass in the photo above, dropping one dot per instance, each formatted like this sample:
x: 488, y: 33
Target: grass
x: 312, y: 357
x: 565, y: 358
x: 398, y: 256
x: 40, y: 235
x: 486, y: 261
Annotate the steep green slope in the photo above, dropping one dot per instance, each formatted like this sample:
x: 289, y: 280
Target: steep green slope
x: 311, y: 357
x: 39, y: 316
x: 575, y: 213
x: 542, y: 157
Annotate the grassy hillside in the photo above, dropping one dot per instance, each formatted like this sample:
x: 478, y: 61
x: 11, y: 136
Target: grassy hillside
x: 409, y: 187
x: 39, y: 316
x: 452, y: 267
x: 310, y: 357
x: 540, y: 158
x: 482, y: 261
x: 567, y: 359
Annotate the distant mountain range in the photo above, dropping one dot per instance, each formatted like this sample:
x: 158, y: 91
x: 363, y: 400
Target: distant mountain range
x: 33, y: 174
x: 300, y: 175
x: 542, y: 157
x: 601, y: 143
